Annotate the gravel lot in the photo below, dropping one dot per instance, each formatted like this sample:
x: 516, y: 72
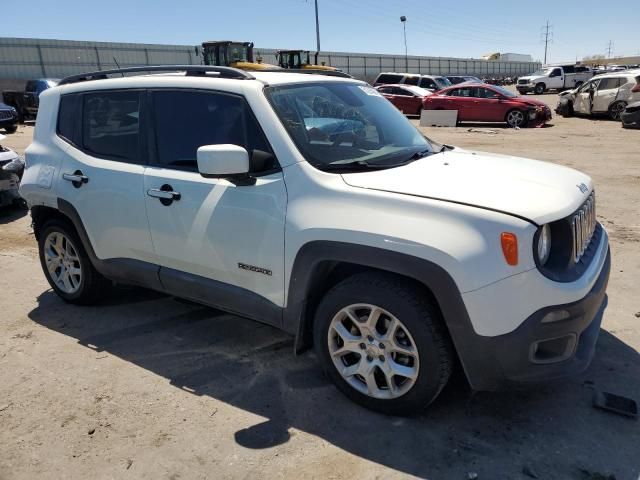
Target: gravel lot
x: 145, y: 386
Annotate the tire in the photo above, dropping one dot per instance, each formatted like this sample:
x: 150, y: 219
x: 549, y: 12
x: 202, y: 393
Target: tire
x: 516, y: 118
x: 539, y: 88
x: 568, y: 111
x: 616, y: 109
x: 428, y: 355
x: 11, y: 129
x: 83, y: 288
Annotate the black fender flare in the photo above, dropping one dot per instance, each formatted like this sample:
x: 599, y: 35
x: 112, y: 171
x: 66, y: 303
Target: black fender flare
x: 436, y: 279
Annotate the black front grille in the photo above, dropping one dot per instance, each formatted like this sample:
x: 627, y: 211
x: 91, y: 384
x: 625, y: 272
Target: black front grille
x: 523, y: 82
x: 6, y: 115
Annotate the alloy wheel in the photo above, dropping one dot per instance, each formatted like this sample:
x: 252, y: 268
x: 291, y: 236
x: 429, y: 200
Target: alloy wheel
x: 373, y: 351
x: 63, y: 262
x: 515, y: 118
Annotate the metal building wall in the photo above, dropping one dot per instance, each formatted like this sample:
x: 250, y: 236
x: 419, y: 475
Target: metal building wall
x: 26, y: 58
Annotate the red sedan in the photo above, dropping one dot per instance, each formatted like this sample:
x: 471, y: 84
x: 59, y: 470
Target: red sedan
x: 407, y: 98
x: 489, y: 103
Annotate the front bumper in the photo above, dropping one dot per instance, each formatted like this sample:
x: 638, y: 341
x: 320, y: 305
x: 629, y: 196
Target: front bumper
x: 539, y: 351
x: 8, y: 122
x: 525, y: 88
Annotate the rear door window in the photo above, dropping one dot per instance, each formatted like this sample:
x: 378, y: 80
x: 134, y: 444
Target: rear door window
x: 461, y: 92
x: 412, y: 80
x: 609, y: 83
x: 111, y: 125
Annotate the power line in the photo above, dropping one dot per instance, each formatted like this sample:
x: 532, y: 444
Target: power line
x: 547, y: 36
x: 609, y: 49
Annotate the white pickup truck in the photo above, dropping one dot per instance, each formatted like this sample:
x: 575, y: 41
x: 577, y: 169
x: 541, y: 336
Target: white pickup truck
x: 559, y: 77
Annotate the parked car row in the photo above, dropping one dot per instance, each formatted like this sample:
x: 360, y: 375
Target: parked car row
x: 474, y: 102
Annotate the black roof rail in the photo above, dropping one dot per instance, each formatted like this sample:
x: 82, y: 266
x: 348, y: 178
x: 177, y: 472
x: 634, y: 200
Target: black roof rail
x: 190, y: 70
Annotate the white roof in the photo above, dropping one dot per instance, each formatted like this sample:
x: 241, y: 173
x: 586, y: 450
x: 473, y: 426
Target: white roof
x: 619, y: 73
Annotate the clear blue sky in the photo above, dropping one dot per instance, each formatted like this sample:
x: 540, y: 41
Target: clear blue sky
x: 460, y: 28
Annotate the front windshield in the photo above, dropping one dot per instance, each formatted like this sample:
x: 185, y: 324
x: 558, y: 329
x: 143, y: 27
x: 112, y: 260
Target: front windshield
x: 541, y: 73
x: 504, y: 91
x: 335, y: 125
x: 442, y: 82
x: 238, y: 53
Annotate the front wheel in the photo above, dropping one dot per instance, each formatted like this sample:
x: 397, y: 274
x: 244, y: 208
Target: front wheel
x: 540, y: 88
x: 11, y: 129
x: 616, y: 109
x: 516, y: 118
x: 382, y: 343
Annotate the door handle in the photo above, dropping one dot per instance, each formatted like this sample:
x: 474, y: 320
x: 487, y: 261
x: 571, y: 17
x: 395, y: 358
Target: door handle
x: 76, y: 178
x: 165, y: 194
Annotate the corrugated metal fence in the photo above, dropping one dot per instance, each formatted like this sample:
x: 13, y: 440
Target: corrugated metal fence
x: 25, y: 58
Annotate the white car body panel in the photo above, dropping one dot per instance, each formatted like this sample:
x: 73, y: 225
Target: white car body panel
x: 217, y: 225
x: 538, y: 191
x: 492, y: 309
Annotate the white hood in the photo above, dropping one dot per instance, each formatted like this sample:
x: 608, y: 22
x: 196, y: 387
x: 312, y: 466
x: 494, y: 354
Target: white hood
x: 538, y: 191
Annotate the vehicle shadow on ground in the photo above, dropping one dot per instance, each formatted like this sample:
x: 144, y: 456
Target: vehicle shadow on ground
x: 553, y: 432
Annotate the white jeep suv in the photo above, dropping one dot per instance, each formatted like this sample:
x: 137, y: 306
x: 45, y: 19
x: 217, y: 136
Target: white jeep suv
x: 310, y: 203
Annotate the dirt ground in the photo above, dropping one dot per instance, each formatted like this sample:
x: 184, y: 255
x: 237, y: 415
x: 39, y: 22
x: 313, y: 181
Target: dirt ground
x: 146, y: 386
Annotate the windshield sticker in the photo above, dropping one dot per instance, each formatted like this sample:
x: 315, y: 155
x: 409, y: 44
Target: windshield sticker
x: 369, y: 91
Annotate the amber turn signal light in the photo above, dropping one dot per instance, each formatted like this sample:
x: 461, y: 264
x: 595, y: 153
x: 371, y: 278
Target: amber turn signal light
x: 509, y: 243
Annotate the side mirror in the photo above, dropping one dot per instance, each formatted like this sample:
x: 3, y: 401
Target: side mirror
x: 223, y: 161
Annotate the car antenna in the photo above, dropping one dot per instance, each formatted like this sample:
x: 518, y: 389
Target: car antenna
x: 117, y: 65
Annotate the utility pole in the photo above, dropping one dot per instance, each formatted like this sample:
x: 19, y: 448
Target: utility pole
x: 547, y: 35
x: 403, y: 19
x: 317, y: 33
x: 609, y: 49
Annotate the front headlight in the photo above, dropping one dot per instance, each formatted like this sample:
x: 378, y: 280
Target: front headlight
x: 544, y: 245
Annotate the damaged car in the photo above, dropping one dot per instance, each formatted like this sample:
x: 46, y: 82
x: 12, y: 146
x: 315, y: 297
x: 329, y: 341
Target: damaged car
x: 607, y: 94
x: 11, y: 170
x: 489, y: 103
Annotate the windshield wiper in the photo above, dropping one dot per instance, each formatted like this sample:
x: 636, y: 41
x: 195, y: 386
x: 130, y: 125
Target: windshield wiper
x: 356, y: 165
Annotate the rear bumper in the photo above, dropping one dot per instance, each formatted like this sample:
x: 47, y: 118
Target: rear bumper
x: 539, y: 351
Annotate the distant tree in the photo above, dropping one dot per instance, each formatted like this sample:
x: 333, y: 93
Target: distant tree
x: 597, y: 56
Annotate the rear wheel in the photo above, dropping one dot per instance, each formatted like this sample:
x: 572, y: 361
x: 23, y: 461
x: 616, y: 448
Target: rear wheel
x: 382, y: 343
x: 516, y: 118
x: 616, y: 109
x: 66, y: 265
